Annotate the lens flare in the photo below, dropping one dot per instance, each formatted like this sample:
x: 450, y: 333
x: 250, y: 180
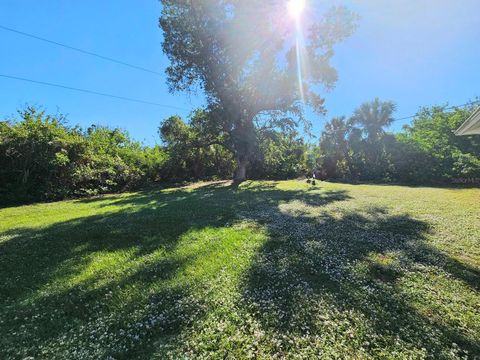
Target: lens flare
x: 295, y: 8
x: 299, y: 47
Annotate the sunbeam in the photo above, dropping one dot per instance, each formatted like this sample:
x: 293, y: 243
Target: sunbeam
x: 298, y: 46
x: 295, y: 9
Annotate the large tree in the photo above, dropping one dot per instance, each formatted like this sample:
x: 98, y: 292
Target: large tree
x: 373, y: 117
x: 246, y: 56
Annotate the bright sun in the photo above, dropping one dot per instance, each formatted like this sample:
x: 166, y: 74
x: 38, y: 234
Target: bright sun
x: 295, y: 7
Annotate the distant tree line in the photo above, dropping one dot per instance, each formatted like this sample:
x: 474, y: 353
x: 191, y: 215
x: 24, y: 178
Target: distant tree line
x: 425, y: 152
x: 43, y: 158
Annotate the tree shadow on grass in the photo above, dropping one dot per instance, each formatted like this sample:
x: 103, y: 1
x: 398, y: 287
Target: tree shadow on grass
x: 61, y: 294
x: 355, y: 266
x: 59, y: 285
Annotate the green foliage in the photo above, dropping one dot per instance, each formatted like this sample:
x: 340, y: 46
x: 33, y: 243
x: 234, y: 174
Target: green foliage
x: 373, y: 117
x: 37, y: 156
x: 219, y: 46
x: 446, y: 157
x: 110, y: 162
x: 427, y: 151
x: 41, y: 158
x: 199, y: 151
x: 194, y: 152
x: 411, y: 162
x: 335, y: 148
x: 281, y: 156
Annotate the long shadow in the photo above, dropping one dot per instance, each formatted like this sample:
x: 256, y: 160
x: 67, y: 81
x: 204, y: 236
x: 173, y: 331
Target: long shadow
x: 310, y: 253
x: 315, y: 257
x: 431, y: 185
x: 141, y: 224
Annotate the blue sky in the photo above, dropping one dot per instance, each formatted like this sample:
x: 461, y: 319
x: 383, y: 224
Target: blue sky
x: 416, y: 53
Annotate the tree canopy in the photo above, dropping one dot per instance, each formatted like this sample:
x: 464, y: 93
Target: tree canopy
x: 245, y: 56
x: 43, y: 158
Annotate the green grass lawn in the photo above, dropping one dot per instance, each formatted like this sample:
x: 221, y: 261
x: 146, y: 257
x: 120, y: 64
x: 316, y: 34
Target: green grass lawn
x: 267, y: 270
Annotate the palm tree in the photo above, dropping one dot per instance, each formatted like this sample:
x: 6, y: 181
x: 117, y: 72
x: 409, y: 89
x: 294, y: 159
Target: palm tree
x: 374, y: 117
x: 334, y: 142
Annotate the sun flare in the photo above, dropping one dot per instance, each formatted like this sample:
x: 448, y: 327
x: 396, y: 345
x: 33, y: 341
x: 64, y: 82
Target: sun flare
x: 295, y: 7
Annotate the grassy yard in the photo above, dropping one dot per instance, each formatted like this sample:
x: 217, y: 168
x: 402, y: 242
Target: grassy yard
x: 267, y: 270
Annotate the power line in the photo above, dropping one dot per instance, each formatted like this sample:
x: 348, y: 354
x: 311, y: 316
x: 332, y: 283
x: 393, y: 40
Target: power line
x: 88, y: 91
x: 80, y: 50
x: 448, y: 108
x: 92, y: 92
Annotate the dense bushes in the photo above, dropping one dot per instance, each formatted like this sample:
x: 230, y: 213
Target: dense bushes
x: 191, y: 154
x: 36, y: 156
x: 427, y: 151
x: 42, y: 158
x: 280, y: 156
x: 201, y: 149
x: 434, y: 152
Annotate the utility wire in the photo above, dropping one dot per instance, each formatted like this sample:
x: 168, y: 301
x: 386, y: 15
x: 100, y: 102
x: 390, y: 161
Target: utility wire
x: 163, y: 105
x: 448, y: 108
x: 134, y: 67
x: 80, y: 50
x: 88, y: 91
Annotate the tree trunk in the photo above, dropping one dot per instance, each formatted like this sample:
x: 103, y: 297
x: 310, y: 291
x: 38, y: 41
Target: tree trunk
x: 244, y: 141
x: 240, y: 174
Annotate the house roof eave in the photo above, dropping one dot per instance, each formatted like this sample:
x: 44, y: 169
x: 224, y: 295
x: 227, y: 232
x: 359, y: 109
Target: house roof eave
x: 471, y: 126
